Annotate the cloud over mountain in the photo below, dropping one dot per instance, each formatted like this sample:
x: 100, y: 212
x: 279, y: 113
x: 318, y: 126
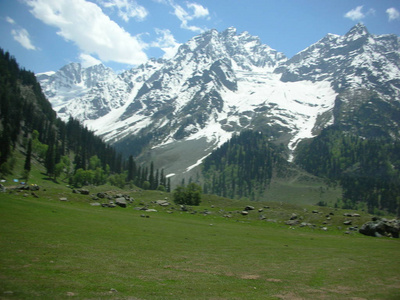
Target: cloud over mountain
x: 85, y: 24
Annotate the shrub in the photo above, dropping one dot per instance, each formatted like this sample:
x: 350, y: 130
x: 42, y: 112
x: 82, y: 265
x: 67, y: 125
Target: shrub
x: 189, y: 195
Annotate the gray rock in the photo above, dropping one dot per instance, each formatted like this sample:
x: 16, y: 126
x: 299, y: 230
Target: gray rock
x: 293, y: 216
x: 347, y: 222
x: 249, y: 207
x: 84, y: 192
x: 244, y: 213
x: 101, y: 195
x: 381, y: 228
x: 304, y: 224
x: 95, y: 204
x: 63, y: 199
x: 162, y: 203
x: 292, y: 222
x: 121, y: 202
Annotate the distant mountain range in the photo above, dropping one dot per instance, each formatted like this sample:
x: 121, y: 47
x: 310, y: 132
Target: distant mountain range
x: 175, y: 112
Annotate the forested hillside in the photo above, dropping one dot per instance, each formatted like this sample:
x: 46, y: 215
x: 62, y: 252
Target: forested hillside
x: 242, y: 167
x: 367, y: 169
x: 67, y: 150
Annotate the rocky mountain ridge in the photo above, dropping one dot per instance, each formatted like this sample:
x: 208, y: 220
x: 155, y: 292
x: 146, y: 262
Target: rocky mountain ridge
x: 181, y: 109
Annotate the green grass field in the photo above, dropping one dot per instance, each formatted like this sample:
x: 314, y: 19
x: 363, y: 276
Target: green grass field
x: 59, y: 250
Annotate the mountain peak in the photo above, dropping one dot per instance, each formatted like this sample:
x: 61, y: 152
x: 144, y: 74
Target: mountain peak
x: 230, y: 31
x: 358, y: 30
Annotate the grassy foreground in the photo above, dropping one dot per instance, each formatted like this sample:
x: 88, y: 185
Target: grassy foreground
x: 58, y: 250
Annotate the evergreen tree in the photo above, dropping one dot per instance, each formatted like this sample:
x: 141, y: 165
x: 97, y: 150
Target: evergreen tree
x: 27, y: 165
x: 151, y: 177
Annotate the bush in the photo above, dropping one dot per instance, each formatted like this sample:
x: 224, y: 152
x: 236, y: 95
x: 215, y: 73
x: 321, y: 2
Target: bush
x: 190, y: 195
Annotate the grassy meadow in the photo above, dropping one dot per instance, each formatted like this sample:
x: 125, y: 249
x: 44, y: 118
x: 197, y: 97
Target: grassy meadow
x: 61, y: 250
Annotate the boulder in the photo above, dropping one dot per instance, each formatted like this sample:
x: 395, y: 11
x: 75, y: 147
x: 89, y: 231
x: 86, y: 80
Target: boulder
x: 63, y: 199
x: 249, y: 207
x: 244, y: 213
x: 101, y: 195
x: 380, y: 228
x: 347, y: 222
x: 84, y: 192
x: 292, y: 222
x: 293, y: 216
x: 304, y: 224
x: 162, y: 203
x: 95, y: 204
x: 121, y: 202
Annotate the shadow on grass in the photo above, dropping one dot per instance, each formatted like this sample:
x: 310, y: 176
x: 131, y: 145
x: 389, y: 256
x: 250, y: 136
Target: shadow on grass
x: 47, y: 178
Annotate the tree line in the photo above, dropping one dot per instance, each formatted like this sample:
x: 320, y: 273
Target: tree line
x: 66, y: 149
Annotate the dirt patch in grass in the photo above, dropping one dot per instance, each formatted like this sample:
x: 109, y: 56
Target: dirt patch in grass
x: 289, y: 296
x: 273, y: 280
x: 250, y: 276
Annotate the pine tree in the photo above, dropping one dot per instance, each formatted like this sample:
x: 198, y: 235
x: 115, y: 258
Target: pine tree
x: 151, y: 177
x: 27, y: 165
x: 131, y: 169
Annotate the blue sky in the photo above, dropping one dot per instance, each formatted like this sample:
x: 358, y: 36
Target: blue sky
x: 45, y: 35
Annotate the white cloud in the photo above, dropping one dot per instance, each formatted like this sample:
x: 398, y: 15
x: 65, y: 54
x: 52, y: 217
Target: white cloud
x: 21, y: 35
x: 355, y: 14
x: 166, y: 42
x: 88, y: 60
x: 127, y: 9
x: 10, y: 20
x: 393, y: 14
x: 196, y: 11
x: 85, y: 24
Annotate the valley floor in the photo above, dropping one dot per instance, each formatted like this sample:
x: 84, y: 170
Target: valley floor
x: 53, y: 249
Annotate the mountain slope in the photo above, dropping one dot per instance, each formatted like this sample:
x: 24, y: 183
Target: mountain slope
x: 176, y: 111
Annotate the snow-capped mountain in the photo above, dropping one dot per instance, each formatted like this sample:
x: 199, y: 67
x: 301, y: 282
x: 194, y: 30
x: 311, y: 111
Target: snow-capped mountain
x: 219, y: 83
x: 356, y: 60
